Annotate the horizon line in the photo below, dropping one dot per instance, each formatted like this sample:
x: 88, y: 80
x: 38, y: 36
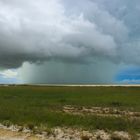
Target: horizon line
x: 75, y: 85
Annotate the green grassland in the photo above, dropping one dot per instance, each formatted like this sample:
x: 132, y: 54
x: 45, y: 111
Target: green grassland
x: 42, y: 105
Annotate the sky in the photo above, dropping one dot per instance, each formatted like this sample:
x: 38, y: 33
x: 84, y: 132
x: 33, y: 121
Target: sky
x: 68, y: 41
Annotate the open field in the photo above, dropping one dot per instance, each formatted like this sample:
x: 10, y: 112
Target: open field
x: 114, y: 108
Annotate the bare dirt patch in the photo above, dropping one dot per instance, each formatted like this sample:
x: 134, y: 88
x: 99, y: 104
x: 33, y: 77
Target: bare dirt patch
x: 100, y: 111
x: 13, y: 135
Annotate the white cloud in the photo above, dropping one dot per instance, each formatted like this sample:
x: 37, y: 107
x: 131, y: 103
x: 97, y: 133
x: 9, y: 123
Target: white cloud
x: 9, y: 74
x: 130, y: 81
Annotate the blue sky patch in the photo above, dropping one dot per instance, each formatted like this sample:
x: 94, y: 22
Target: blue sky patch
x: 130, y: 75
x: 8, y: 80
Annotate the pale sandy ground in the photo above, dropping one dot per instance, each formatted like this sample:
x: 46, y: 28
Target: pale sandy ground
x: 13, y: 135
x: 65, y: 134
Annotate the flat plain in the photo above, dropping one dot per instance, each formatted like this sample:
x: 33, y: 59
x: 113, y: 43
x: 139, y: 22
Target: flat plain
x: 113, y: 108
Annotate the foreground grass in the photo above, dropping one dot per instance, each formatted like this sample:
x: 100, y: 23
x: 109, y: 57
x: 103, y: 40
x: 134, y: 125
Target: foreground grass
x: 54, y: 119
x: 26, y: 105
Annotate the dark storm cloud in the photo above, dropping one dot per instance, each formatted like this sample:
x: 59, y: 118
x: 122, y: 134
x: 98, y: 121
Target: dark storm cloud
x: 62, y: 35
x: 37, y: 31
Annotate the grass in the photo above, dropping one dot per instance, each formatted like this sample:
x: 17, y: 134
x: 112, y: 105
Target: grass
x: 34, y: 106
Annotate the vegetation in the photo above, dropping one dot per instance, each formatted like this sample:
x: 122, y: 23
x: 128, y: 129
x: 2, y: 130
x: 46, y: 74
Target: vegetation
x: 39, y: 105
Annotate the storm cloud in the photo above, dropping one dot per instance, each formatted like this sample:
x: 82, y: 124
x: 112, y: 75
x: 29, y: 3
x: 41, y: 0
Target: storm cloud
x: 42, y: 30
x: 67, y: 31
